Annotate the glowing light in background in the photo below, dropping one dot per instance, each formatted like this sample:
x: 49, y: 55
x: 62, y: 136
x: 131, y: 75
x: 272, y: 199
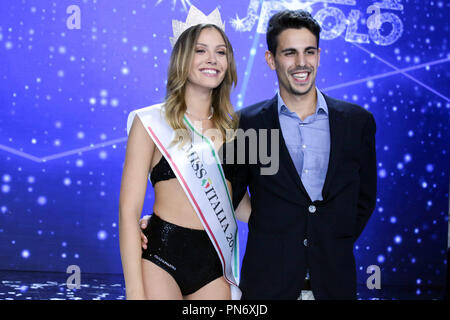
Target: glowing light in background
x: 25, y: 254
x: 102, y: 235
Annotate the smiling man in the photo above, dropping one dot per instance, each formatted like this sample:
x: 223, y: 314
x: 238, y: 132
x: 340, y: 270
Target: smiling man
x: 306, y: 217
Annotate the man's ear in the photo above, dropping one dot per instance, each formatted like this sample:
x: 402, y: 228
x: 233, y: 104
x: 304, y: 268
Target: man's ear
x: 270, y: 59
x: 318, y: 62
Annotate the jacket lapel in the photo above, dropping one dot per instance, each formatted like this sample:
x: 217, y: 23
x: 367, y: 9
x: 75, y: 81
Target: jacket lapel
x: 269, y: 113
x: 337, y: 122
x: 337, y: 130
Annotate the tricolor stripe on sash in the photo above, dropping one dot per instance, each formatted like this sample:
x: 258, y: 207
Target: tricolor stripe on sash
x: 236, y: 240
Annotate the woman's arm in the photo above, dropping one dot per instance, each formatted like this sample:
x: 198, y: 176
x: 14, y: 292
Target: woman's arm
x: 244, y: 209
x: 138, y: 157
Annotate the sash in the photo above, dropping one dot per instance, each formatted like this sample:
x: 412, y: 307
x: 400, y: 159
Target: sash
x: 201, y: 176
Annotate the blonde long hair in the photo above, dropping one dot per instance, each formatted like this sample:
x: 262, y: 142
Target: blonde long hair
x: 224, y: 117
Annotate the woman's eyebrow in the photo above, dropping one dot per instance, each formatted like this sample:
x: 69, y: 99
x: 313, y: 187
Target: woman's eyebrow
x: 205, y: 45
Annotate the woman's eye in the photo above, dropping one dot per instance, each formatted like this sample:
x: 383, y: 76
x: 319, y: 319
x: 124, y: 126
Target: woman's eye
x: 199, y: 50
x: 222, y: 53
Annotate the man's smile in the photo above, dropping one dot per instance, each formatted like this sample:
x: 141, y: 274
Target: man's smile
x: 301, y: 76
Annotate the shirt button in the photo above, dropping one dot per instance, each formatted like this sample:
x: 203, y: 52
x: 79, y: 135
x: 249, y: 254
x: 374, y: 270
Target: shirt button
x: 312, y: 209
x: 305, y: 242
x: 304, y: 146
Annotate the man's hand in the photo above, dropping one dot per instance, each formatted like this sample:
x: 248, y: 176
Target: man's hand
x: 143, y: 224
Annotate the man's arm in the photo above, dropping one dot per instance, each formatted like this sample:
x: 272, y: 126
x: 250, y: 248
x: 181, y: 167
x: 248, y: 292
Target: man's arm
x: 368, y: 177
x: 241, y: 170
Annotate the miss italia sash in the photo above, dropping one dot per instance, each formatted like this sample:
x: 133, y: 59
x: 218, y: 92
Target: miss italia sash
x: 201, y: 176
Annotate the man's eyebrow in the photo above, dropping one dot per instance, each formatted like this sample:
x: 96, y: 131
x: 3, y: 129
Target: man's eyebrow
x: 288, y: 49
x: 295, y: 50
x: 205, y: 45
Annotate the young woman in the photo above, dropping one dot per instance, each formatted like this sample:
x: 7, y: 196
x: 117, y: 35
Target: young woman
x: 185, y: 257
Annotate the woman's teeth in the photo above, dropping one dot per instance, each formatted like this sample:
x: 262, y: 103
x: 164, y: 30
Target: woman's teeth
x: 209, y: 71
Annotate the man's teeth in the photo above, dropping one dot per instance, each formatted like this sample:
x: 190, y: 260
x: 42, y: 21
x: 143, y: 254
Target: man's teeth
x: 209, y: 71
x: 300, y: 76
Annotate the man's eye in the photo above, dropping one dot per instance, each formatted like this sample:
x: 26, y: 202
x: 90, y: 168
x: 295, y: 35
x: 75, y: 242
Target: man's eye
x: 289, y: 53
x: 310, y: 52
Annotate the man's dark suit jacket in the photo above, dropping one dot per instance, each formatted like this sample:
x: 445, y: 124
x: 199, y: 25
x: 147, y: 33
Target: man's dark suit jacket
x: 277, y: 255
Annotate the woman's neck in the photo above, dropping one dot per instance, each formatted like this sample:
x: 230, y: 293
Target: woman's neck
x: 198, y: 101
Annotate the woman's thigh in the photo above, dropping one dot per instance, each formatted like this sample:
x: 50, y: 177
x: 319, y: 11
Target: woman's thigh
x: 158, y: 283
x: 218, y: 289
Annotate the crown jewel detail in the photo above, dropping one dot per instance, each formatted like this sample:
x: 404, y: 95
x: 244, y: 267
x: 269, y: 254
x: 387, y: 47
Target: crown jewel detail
x: 195, y: 17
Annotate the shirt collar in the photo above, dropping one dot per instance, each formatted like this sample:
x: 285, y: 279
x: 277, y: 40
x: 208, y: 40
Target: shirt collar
x: 320, y: 107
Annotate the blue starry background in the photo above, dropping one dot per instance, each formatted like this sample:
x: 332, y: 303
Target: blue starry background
x: 65, y: 95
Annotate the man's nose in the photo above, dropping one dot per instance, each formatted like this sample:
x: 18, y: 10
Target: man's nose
x: 300, y: 60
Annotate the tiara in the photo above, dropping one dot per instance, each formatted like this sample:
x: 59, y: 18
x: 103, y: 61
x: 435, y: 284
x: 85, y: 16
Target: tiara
x: 195, y: 16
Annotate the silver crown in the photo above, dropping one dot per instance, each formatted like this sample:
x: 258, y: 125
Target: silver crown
x: 195, y: 16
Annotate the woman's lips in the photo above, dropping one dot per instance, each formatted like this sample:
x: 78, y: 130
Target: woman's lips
x: 209, y: 72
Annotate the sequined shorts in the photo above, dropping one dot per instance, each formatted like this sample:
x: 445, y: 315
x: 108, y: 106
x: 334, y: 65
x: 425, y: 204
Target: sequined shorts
x: 186, y: 254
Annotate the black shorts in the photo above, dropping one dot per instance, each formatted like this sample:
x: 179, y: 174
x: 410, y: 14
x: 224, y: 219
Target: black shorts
x: 186, y: 254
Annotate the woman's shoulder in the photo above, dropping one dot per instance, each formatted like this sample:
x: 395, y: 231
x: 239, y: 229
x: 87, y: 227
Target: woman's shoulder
x: 152, y: 111
x: 148, y: 109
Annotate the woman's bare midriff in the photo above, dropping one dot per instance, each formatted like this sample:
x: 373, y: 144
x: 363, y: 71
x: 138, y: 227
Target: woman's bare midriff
x: 171, y: 203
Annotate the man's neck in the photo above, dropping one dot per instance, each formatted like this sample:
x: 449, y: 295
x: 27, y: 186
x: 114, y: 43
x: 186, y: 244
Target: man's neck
x: 302, y: 105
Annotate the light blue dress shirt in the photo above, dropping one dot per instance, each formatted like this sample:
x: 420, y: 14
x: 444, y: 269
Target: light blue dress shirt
x: 308, y: 142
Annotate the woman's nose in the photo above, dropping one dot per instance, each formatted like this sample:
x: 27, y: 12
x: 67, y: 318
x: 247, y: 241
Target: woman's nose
x: 212, y: 58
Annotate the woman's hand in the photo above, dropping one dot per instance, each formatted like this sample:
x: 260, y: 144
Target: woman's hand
x: 143, y: 224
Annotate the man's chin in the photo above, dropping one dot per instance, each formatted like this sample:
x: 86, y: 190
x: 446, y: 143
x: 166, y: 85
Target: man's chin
x: 300, y: 92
